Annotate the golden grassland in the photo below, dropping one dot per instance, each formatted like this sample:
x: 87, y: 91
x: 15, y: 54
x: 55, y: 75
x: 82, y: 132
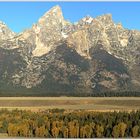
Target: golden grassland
x: 101, y: 104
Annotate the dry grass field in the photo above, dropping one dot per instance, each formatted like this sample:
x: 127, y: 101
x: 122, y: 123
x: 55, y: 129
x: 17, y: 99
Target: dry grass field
x: 102, y: 104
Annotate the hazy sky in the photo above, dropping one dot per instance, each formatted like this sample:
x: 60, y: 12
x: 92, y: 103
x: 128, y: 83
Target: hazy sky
x: 21, y: 15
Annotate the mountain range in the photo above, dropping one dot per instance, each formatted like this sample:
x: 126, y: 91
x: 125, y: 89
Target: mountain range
x: 57, y: 57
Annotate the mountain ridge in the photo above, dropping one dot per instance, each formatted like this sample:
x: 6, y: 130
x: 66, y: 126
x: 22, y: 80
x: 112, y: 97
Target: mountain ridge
x: 57, y: 57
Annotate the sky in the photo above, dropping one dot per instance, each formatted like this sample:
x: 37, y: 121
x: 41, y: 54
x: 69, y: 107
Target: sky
x: 21, y: 15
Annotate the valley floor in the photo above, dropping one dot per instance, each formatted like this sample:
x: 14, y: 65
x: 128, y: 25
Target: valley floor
x: 101, y: 104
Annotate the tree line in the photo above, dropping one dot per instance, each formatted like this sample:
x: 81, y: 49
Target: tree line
x: 116, y: 94
x: 70, y: 124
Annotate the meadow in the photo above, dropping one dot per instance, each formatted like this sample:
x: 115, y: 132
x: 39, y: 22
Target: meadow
x: 102, y: 104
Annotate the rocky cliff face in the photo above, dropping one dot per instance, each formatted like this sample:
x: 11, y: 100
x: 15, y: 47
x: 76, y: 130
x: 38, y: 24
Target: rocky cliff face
x: 56, y: 57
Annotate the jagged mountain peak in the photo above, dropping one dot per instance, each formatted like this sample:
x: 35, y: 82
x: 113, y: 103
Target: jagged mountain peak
x: 55, y: 9
x: 48, y: 30
x: 105, y: 18
x: 5, y: 32
x: 87, y: 19
x: 54, y: 14
x: 119, y: 25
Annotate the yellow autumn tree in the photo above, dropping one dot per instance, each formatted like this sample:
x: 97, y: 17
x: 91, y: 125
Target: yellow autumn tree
x: 55, y: 132
x: 40, y: 132
x: 116, y: 131
x: 13, y: 129
x: 135, y: 131
x: 73, y: 129
x: 122, y: 126
x: 88, y: 131
x: 119, y: 130
x: 65, y: 132
x: 99, y: 129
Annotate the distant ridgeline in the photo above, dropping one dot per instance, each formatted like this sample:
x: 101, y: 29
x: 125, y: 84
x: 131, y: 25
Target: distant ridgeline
x: 93, y: 57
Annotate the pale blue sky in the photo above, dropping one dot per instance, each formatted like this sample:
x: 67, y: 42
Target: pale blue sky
x: 21, y: 15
